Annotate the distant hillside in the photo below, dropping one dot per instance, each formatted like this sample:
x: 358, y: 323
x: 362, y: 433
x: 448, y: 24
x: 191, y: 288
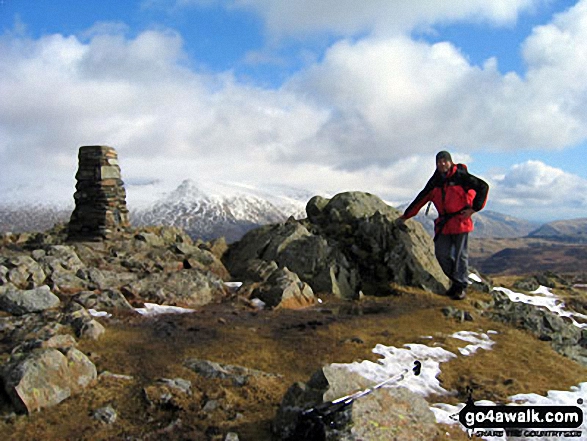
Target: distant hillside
x: 487, y: 224
x: 573, y: 231
x: 20, y: 219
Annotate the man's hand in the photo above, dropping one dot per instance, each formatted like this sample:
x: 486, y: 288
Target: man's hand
x: 400, y: 222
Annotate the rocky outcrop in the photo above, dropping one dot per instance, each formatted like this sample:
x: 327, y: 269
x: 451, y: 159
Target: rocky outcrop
x: 386, y: 414
x: 564, y: 336
x: 48, y: 288
x: 348, y: 244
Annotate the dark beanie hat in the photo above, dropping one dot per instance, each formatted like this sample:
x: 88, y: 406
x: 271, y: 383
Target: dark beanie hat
x: 443, y: 155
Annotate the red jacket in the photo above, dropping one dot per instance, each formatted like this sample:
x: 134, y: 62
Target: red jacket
x: 451, y: 194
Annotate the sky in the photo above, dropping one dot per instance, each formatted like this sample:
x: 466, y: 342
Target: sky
x: 325, y: 96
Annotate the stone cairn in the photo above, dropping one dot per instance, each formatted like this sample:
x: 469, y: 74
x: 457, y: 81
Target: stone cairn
x: 100, y: 199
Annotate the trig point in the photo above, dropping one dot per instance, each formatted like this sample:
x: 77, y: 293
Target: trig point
x: 100, y: 199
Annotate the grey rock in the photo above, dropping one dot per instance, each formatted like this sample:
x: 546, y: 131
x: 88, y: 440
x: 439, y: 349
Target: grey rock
x: 563, y: 335
x: 386, y: 414
x: 107, y: 300
x: 173, y: 393
x: 350, y: 244
x: 19, y: 302
x: 24, y: 272
x: 238, y: 375
x: 258, y: 270
x: 284, y: 288
x: 91, y: 330
x: 45, y: 377
x: 190, y: 288
x: 106, y: 415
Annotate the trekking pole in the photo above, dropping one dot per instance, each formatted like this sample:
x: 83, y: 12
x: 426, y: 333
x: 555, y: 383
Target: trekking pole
x: 330, y: 407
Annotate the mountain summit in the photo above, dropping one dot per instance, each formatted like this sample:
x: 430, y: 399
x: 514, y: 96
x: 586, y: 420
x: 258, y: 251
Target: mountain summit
x: 219, y: 209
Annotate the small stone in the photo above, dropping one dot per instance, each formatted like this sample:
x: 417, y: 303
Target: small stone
x: 106, y: 415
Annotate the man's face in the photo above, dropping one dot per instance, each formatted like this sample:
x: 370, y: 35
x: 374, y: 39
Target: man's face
x: 443, y: 165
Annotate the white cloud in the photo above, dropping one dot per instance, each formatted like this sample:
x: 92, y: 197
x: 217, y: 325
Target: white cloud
x: 382, y: 17
x: 369, y: 115
x: 536, y: 190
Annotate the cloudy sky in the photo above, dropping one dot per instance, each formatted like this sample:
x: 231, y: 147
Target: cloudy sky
x: 324, y: 95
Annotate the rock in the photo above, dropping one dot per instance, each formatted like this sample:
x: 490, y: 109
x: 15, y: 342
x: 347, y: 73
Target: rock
x: 457, y: 314
x: 204, y: 261
x: 386, y: 414
x: 19, y: 302
x: 82, y: 322
x: 45, y: 377
x: 23, y: 272
x: 151, y: 239
x: 478, y: 282
x: 91, y: 330
x: 352, y: 206
x: 284, y: 289
x: 258, y: 270
x: 190, y: 288
x: 107, y: 300
x: 315, y: 207
x: 563, y: 335
x: 62, y: 257
x: 106, y: 415
x: 171, y: 393
x: 349, y: 244
x: 238, y: 375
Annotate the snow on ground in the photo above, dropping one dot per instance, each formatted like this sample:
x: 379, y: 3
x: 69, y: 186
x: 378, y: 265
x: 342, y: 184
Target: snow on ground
x: 152, y: 309
x: 395, y: 360
x: 543, y: 297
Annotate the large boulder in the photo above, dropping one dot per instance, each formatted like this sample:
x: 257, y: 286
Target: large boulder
x: 385, y: 414
x: 45, y: 377
x: 348, y: 244
x: 189, y: 288
x: 284, y: 289
x: 19, y: 302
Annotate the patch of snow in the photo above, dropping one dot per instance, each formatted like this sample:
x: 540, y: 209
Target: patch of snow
x: 544, y: 298
x: 395, y: 360
x: 448, y: 414
x: 479, y: 341
x: 152, y: 309
x: 475, y: 278
x: 95, y: 313
x: 258, y: 303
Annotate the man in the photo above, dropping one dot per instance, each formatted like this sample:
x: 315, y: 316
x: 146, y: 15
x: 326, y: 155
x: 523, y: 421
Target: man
x: 456, y: 194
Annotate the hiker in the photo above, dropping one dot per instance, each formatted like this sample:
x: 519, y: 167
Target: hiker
x: 456, y: 194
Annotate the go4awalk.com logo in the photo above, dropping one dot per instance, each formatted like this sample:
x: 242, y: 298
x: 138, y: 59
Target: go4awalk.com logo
x: 522, y: 420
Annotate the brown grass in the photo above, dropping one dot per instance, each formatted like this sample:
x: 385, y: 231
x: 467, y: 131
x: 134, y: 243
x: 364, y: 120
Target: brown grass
x: 292, y: 344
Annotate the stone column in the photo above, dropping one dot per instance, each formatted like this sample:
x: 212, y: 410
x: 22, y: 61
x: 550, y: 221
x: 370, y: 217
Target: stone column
x: 100, y: 199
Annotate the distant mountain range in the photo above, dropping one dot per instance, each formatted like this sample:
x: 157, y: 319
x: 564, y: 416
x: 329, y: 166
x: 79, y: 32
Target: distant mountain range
x: 574, y: 231
x: 227, y: 210
x: 212, y: 210
x: 487, y: 224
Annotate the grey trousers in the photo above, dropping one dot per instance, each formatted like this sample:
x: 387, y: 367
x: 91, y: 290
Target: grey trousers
x: 453, y: 256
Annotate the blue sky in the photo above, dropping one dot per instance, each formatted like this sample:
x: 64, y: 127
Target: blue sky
x: 323, y: 95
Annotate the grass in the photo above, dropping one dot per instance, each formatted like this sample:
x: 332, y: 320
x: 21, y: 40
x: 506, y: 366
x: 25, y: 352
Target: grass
x: 291, y: 344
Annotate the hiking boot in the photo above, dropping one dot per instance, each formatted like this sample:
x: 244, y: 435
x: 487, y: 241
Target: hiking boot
x: 459, y: 293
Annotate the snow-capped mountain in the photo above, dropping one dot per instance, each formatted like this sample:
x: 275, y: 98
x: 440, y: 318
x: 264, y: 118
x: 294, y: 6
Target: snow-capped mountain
x: 213, y: 210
